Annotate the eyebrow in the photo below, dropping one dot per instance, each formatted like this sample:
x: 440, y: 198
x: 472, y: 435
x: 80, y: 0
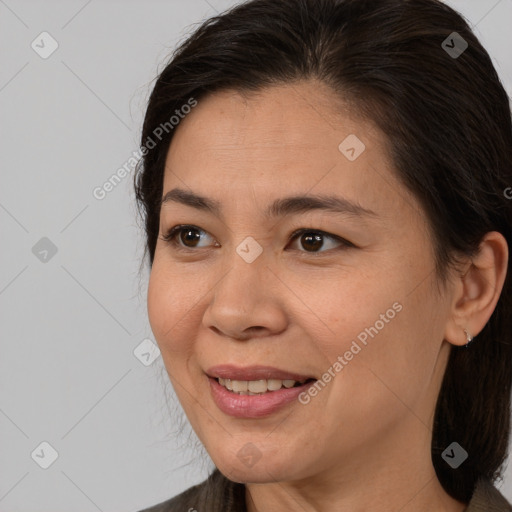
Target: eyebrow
x: 280, y: 207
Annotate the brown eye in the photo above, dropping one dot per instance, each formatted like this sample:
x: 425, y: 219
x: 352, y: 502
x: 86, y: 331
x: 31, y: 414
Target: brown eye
x: 313, y: 241
x: 184, y: 237
x: 189, y: 236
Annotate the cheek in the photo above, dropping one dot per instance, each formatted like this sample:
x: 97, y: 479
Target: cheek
x: 388, y: 336
x: 354, y: 308
x: 170, y: 309
x: 394, y: 370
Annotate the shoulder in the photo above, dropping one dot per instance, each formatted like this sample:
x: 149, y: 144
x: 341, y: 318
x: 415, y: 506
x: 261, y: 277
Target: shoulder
x: 184, y: 502
x: 216, y: 493
x: 486, y: 498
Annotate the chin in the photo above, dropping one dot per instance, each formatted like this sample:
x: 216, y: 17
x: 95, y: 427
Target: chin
x: 253, y: 475
x: 251, y: 466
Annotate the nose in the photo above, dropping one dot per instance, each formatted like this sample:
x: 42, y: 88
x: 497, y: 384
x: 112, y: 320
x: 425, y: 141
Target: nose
x: 246, y: 302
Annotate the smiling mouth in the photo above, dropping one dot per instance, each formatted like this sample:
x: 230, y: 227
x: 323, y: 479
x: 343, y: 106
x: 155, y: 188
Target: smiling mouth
x: 259, y: 387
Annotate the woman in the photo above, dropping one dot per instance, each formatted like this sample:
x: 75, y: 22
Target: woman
x: 324, y: 195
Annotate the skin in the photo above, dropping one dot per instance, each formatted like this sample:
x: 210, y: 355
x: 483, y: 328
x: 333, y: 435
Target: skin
x: 363, y: 443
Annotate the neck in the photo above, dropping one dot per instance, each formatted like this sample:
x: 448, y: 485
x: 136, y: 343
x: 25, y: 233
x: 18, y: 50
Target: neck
x: 374, y: 496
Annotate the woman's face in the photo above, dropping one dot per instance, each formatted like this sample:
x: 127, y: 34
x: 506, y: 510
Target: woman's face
x: 351, y: 302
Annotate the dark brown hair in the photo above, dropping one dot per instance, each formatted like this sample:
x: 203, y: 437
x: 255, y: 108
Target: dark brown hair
x: 448, y: 124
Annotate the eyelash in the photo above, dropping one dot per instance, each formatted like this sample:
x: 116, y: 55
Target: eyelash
x: 170, y: 237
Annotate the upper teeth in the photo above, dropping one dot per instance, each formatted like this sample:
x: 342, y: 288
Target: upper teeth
x: 254, y: 387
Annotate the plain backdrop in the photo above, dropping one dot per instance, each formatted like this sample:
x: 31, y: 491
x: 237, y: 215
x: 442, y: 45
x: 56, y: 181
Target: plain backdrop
x: 77, y: 392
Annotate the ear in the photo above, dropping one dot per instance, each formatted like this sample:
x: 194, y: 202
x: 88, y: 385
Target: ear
x: 477, y: 289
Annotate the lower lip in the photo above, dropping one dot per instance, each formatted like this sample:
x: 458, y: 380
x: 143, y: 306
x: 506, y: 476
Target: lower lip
x: 253, y: 406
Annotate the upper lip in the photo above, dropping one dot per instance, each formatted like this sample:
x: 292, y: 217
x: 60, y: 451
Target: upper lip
x: 227, y: 371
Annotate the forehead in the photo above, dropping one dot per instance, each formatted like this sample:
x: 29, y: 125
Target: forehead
x: 281, y: 138
x: 274, y: 121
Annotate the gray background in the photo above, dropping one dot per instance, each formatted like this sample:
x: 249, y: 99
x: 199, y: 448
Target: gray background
x: 72, y: 320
